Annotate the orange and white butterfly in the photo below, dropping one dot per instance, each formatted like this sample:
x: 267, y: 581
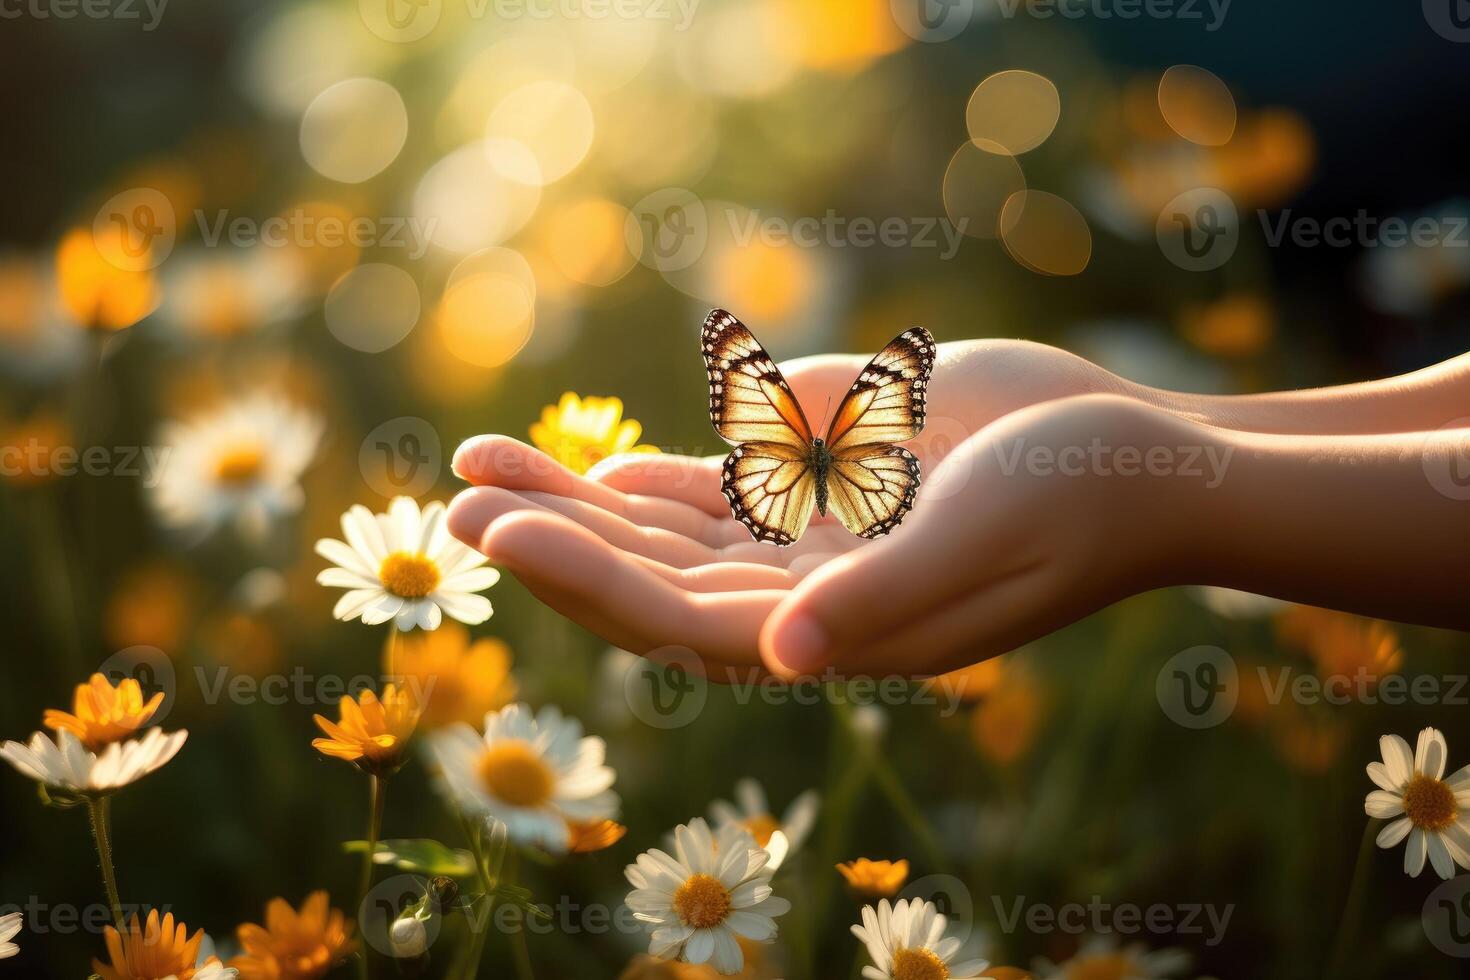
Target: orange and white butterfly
x: 778, y: 471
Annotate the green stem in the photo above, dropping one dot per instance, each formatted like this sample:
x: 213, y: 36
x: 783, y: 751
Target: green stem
x: 482, y: 921
x: 379, y: 787
x: 1352, y: 906
x: 893, y: 788
x: 97, y: 811
x: 519, y: 949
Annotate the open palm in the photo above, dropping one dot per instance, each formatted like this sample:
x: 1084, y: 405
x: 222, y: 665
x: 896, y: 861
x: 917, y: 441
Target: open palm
x: 646, y: 553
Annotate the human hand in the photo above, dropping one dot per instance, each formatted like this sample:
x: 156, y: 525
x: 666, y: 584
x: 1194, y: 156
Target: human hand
x: 647, y: 553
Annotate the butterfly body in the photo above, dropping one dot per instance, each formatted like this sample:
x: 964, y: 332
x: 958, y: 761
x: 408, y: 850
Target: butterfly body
x: 779, y: 471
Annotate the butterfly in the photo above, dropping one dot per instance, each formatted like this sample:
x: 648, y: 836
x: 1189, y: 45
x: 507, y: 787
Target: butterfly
x: 778, y: 471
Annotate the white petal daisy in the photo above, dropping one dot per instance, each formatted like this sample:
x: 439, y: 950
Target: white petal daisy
x: 906, y: 941
x: 533, y: 773
x: 754, y: 814
x: 66, y: 765
x: 9, y: 926
x: 1430, y: 810
x: 713, y: 890
x: 238, y: 466
x: 405, y: 566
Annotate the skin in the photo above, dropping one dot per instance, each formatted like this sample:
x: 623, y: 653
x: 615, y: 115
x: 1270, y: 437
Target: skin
x: 1322, y: 497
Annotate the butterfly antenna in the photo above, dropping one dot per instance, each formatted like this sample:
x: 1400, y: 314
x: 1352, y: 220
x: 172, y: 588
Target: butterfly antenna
x: 826, y: 412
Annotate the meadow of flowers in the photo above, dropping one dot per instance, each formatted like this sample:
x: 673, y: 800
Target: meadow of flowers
x: 267, y: 265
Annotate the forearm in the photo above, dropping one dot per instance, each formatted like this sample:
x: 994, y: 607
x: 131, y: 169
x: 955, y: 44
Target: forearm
x: 1418, y: 402
x: 1374, y: 524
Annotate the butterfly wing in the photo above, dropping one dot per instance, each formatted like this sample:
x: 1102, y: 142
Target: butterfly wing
x: 870, y: 483
x: 886, y: 402
x: 772, y: 490
x: 749, y: 400
x: 871, y: 488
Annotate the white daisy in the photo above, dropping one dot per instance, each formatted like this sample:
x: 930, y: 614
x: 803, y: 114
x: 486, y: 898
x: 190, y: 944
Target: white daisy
x: 66, y: 765
x: 711, y: 891
x: 9, y: 926
x: 405, y: 566
x: 532, y: 773
x: 1430, y: 809
x: 906, y: 941
x: 754, y: 814
x: 238, y: 465
x: 218, y: 294
x: 1101, y: 956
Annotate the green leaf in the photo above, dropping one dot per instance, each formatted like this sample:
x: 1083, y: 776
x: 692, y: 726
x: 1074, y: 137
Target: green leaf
x: 419, y: 856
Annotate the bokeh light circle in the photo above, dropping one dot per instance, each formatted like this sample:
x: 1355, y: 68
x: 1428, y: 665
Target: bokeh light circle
x: 1045, y: 233
x: 354, y: 129
x: 1197, y: 105
x: 977, y: 183
x: 550, y: 119
x: 587, y: 241
x: 372, y: 307
x: 485, y: 319
x: 1014, y: 110
x: 478, y: 196
x: 668, y: 230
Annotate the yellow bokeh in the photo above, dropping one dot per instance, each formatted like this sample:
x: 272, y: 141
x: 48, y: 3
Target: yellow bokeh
x: 97, y: 293
x: 485, y: 319
x: 586, y: 240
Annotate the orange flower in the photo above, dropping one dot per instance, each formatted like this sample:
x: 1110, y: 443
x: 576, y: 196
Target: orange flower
x: 875, y: 879
x: 100, y: 294
x: 158, y: 950
x: 292, y: 945
x: 596, y: 835
x: 458, y: 681
x: 372, y: 733
x: 1006, y: 723
x: 1342, y: 644
x: 32, y: 444
x: 103, y: 714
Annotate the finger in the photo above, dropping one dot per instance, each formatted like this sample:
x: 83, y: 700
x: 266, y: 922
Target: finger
x: 691, y: 480
x: 728, y: 576
x: 503, y: 462
x: 593, y: 581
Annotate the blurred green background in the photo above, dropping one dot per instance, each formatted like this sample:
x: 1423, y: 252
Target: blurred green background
x: 523, y: 178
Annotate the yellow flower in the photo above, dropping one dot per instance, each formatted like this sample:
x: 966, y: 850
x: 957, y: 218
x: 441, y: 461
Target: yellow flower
x: 99, y: 294
x: 372, y: 733
x: 292, y: 945
x: 158, y: 950
x: 579, y: 433
x: 875, y: 879
x: 458, y: 681
x: 593, y: 835
x: 103, y: 714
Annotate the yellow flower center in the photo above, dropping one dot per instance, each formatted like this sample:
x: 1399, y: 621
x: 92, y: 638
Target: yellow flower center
x: 918, y: 963
x: 512, y: 771
x: 239, y: 464
x: 409, y: 575
x: 1430, y: 803
x: 762, y: 827
x: 702, y: 902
